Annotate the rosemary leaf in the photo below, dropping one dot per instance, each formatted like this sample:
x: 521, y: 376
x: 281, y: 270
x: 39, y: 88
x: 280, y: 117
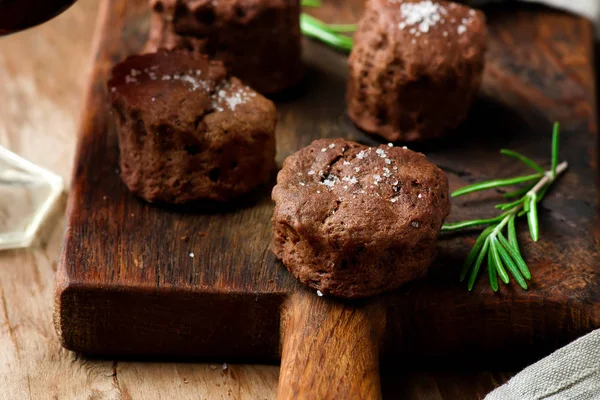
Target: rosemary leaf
x: 555, y: 137
x: 466, y: 224
x: 477, y: 265
x: 492, y: 272
x: 525, y: 160
x: 532, y: 217
x: 507, y: 206
x: 516, y: 256
x: 311, y: 3
x: 475, y: 252
x: 497, y: 261
x: 342, y: 28
x: 526, y: 204
x: 512, y: 235
x: 511, y: 266
x: 316, y: 29
x: 495, y: 183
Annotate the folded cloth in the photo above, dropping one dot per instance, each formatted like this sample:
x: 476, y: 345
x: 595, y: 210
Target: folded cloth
x: 570, y: 373
x: 586, y: 8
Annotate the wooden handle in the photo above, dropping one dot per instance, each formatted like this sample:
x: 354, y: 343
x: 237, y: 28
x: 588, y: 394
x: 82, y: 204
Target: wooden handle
x: 330, y: 349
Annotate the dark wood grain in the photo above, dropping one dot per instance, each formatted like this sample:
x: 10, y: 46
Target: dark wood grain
x: 127, y: 286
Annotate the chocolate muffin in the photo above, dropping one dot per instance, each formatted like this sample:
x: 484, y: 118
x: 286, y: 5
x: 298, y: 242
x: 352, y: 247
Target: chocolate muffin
x: 415, y: 67
x: 258, y: 40
x: 189, y: 131
x: 354, y: 221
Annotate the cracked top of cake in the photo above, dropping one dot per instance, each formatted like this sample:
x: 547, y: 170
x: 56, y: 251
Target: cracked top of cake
x: 363, y: 194
x: 179, y: 82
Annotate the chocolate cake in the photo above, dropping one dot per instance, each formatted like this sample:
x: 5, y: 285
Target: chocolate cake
x: 354, y: 221
x: 189, y: 131
x: 415, y: 67
x: 258, y: 40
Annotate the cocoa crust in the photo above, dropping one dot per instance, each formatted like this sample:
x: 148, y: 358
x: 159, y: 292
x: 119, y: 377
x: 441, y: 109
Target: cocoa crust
x: 408, y: 85
x: 353, y: 221
x: 189, y: 131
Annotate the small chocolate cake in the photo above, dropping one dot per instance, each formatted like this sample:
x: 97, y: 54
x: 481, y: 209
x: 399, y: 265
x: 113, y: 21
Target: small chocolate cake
x: 188, y: 131
x: 354, y: 221
x: 259, y: 41
x: 415, y: 67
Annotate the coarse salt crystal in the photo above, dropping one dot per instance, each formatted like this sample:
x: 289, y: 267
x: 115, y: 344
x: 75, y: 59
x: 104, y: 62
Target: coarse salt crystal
x: 388, y: 161
x: 461, y: 29
x: 357, y: 169
x: 394, y: 199
x: 346, y: 162
x: 323, y: 150
x: 331, y: 146
x: 419, y: 196
x: 424, y: 15
x: 362, y: 154
x: 319, y: 293
x: 311, y: 172
x: 352, y: 180
x: 302, y: 184
x: 415, y: 224
x: 390, y: 144
x: 330, y: 180
x: 192, y: 255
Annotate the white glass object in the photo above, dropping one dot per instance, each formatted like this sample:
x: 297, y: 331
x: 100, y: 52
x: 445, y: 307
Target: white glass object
x: 27, y: 195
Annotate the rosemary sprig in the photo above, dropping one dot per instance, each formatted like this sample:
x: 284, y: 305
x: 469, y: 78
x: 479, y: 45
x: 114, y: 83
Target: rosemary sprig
x: 503, y: 254
x: 331, y: 34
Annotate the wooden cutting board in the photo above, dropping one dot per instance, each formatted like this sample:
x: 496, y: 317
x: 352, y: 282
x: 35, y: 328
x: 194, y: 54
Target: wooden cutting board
x: 126, y: 284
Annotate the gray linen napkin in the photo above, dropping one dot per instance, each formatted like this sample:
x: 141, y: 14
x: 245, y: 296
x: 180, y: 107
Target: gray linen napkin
x: 570, y: 373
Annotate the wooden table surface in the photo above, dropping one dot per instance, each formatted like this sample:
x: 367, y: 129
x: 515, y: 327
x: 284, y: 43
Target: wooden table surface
x: 43, y: 73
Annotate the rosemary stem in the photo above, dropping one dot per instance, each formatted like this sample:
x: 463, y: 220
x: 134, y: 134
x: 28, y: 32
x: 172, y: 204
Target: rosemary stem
x: 562, y: 167
x: 547, y: 178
